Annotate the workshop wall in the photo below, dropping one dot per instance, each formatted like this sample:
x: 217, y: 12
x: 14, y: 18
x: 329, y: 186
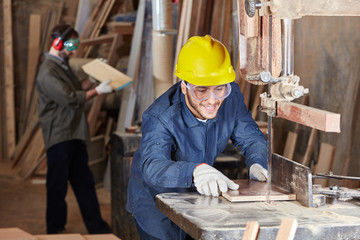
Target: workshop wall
x: 327, y: 56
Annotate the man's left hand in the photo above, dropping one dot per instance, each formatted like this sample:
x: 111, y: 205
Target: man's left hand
x: 258, y: 173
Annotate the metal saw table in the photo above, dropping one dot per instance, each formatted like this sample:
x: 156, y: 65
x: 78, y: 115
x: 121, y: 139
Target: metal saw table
x: 205, y: 217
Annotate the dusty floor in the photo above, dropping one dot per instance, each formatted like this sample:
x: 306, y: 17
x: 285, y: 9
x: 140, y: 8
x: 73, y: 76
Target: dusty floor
x: 23, y: 203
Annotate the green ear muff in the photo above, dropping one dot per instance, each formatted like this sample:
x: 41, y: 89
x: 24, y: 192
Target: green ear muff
x: 72, y: 44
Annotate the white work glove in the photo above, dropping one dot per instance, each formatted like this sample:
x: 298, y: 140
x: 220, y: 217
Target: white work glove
x: 258, y: 173
x: 104, y: 87
x: 208, y: 180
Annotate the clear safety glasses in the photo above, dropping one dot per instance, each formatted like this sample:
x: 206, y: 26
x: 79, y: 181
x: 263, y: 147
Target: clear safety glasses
x: 202, y: 93
x: 72, y: 44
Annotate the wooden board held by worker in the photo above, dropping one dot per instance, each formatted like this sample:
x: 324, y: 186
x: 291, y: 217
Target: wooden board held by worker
x: 253, y: 191
x: 102, y: 71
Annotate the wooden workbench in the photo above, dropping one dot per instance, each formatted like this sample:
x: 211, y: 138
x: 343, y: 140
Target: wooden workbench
x: 216, y: 218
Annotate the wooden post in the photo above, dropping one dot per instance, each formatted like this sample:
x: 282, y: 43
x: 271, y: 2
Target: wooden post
x: 33, y: 52
x: 9, y: 80
x: 287, y: 229
x: 251, y: 231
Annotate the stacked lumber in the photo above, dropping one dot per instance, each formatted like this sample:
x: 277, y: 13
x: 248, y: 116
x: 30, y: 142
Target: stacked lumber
x: 28, y: 156
x: 29, y: 152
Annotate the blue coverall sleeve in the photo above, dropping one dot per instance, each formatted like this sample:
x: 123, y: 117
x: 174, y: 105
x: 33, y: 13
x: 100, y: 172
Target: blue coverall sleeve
x: 248, y: 136
x: 156, y: 163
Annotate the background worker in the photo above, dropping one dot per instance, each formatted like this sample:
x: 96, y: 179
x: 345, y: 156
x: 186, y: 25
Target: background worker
x: 184, y: 131
x: 65, y: 129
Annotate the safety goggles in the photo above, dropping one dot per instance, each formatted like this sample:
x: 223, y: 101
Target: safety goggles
x: 72, y: 44
x: 202, y: 93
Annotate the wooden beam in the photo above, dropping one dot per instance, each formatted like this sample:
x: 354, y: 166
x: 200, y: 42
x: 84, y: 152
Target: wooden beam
x: 9, y: 79
x: 251, y: 231
x: 33, y: 52
x: 308, y: 116
x: 91, y: 21
x: 249, y: 27
x: 287, y: 229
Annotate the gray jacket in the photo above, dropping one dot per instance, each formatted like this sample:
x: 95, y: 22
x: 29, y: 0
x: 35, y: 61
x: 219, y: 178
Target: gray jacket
x: 61, y: 102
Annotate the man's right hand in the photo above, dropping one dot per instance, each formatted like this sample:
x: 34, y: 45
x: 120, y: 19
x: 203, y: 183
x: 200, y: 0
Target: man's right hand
x: 104, y: 87
x: 208, y: 180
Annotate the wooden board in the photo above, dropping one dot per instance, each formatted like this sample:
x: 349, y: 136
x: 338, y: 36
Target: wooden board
x: 254, y: 191
x: 33, y: 52
x: 251, y: 231
x: 287, y: 229
x: 101, y: 237
x: 102, y: 72
x: 15, y: 234
x: 68, y: 236
x: 308, y: 116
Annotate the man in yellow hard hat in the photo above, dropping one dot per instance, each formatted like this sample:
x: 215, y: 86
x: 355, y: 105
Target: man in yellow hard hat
x: 184, y: 131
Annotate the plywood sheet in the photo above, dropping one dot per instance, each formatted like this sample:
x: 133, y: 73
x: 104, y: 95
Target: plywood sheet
x: 102, y: 72
x: 68, y: 236
x: 15, y: 234
x: 254, y: 191
x: 101, y: 237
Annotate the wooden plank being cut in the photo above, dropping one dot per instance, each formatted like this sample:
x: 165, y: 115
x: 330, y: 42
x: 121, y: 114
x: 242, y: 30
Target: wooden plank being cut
x: 254, y: 191
x: 102, y: 72
x: 308, y: 116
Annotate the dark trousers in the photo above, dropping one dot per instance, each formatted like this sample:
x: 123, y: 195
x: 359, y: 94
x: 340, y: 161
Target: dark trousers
x: 68, y: 161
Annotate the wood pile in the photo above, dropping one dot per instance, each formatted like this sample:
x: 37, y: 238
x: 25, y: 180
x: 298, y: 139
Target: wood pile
x: 27, y: 154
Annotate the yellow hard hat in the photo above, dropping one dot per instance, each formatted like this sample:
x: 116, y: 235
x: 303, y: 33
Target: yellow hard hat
x: 204, y: 61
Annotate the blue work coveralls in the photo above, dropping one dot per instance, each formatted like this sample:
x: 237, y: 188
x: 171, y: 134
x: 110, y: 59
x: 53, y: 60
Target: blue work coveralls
x: 174, y: 142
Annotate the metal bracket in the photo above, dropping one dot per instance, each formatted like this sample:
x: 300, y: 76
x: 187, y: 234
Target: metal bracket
x: 284, y: 88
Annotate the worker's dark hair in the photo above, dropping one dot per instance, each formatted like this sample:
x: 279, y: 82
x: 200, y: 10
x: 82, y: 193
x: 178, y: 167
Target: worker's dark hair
x: 64, y: 31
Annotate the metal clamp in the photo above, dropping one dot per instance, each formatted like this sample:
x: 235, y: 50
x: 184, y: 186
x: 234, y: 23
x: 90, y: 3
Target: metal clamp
x: 252, y: 5
x: 284, y: 88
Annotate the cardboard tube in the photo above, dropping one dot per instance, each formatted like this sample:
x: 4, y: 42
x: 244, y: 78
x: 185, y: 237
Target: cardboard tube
x: 162, y: 62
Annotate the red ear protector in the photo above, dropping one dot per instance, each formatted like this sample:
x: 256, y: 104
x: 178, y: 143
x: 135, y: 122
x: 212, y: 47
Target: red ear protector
x: 58, y: 42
